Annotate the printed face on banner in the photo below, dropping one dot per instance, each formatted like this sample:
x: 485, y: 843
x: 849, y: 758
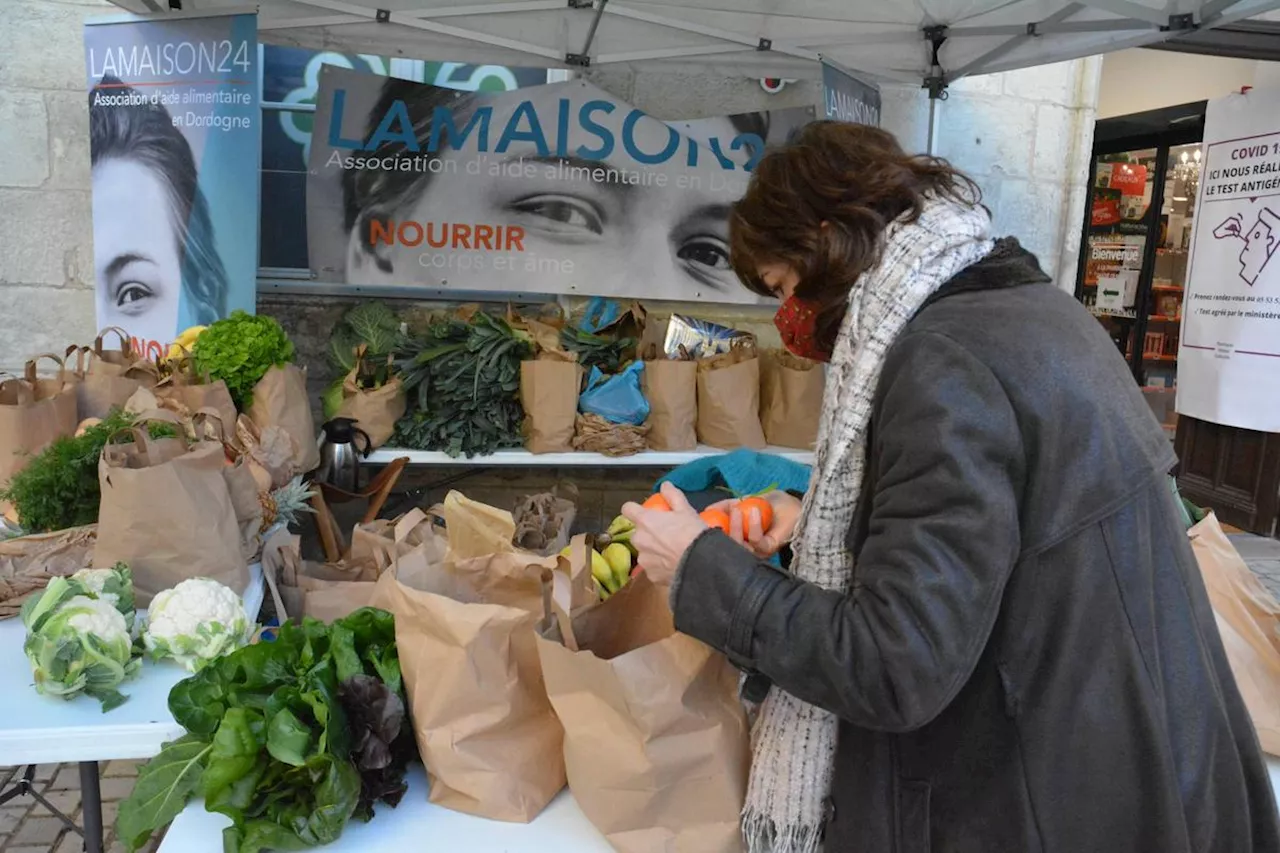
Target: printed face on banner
x: 551, y: 189
x: 175, y: 141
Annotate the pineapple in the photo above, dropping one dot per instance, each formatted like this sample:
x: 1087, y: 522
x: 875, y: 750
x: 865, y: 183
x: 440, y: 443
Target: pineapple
x: 285, y: 504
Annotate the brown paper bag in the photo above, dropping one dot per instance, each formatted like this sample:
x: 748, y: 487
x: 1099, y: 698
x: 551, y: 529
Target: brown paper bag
x: 1248, y: 618
x: 791, y: 390
x: 280, y: 399
x: 383, y: 541
x: 33, y: 413
x: 656, y: 742
x: 167, y: 512
x: 544, y: 521
x: 466, y: 631
x: 729, y: 400
x: 549, y: 388
x: 27, y: 563
x: 112, y: 376
x: 671, y: 387
x: 325, y: 591
x: 375, y: 411
x: 186, y: 398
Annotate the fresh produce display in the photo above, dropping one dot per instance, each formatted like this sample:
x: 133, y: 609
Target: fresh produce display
x: 78, y: 642
x: 195, y: 623
x: 289, y: 738
x: 59, y: 487
x: 373, y: 330
x: 113, y: 585
x: 463, y: 383
x: 240, y: 350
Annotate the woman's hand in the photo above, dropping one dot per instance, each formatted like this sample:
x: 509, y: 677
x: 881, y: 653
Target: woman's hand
x: 747, y: 528
x: 662, y: 538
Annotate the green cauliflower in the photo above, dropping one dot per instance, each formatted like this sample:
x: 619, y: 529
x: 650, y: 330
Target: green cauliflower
x: 195, y: 623
x: 77, y: 643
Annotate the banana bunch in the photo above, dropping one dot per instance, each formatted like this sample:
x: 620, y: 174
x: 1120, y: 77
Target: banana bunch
x: 185, y: 342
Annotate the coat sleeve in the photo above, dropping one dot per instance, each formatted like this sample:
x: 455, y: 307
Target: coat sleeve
x: 942, y: 539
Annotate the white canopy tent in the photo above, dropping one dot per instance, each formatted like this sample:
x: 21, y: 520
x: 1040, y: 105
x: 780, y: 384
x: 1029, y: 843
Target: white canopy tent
x: 922, y: 42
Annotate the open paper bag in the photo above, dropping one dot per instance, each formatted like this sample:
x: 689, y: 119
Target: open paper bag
x: 656, y: 742
x: 729, y: 399
x: 112, y: 376
x: 33, y: 413
x: 167, y: 512
x: 466, y: 629
x: 280, y: 400
x: 383, y: 541
x: 375, y: 410
x: 1248, y: 618
x: 324, y: 591
x: 671, y: 386
x: 549, y: 388
x: 791, y: 391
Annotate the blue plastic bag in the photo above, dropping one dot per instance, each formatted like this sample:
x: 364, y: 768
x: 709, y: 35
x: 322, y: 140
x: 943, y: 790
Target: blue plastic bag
x: 618, y: 399
x: 601, y: 314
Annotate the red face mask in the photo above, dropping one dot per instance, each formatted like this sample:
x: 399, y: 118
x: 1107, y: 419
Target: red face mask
x: 797, y: 322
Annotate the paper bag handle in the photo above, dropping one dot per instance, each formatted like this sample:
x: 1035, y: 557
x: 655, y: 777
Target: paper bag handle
x: 81, y: 353
x: 26, y: 394
x: 30, y: 370
x: 203, y: 415
x: 408, y: 524
x: 269, y: 575
x: 126, y: 342
x: 141, y: 439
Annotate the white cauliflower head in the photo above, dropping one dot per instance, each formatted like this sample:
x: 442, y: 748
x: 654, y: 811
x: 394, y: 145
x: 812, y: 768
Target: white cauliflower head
x: 113, y: 585
x: 196, y: 622
x: 77, y: 643
x: 96, y: 616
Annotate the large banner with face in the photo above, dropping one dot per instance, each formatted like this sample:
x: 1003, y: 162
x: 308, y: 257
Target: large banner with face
x: 175, y: 138
x: 556, y: 189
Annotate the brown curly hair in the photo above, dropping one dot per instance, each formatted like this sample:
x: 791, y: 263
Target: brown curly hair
x: 820, y: 205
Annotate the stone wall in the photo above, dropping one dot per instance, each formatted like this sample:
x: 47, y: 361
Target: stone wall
x: 46, y: 266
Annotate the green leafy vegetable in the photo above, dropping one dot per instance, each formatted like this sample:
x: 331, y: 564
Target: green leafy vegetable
x: 59, y: 486
x: 373, y: 328
x: 240, y: 350
x: 607, y: 352
x: 276, y: 743
x: 164, y: 785
x: 467, y: 382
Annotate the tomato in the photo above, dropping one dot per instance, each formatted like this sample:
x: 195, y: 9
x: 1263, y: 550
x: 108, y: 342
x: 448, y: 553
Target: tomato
x: 762, y: 506
x: 715, y: 518
x: 657, y: 503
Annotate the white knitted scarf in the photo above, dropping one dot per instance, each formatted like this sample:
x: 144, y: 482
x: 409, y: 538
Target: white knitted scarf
x: 793, y: 742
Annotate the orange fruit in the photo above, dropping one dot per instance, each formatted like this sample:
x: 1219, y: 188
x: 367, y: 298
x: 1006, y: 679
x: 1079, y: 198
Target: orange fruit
x: 762, y: 506
x: 715, y: 518
x: 658, y: 503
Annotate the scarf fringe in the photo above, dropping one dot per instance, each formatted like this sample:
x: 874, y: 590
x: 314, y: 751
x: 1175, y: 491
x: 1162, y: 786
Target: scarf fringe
x: 762, y: 836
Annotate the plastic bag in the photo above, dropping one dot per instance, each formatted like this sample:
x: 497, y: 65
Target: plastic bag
x: 618, y: 399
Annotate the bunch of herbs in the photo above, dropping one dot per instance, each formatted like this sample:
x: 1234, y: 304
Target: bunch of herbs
x: 289, y: 738
x: 463, y: 383
x: 59, y: 486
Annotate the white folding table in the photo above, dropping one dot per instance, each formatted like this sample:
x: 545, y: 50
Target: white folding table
x: 418, y: 825
x: 37, y: 729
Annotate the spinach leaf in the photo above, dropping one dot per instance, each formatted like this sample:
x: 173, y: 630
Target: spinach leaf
x: 199, y: 702
x: 235, y: 752
x: 164, y: 785
x: 288, y: 738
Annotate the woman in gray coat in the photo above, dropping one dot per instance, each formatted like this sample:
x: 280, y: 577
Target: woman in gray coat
x: 992, y: 636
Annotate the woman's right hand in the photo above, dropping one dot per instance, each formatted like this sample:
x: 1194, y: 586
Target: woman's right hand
x: 747, y: 529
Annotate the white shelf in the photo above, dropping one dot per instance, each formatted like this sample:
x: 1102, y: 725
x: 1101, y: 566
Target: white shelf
x: 523, y: 458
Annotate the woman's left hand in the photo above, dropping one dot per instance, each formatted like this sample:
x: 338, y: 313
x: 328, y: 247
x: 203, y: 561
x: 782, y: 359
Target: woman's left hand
x: 663, y: 538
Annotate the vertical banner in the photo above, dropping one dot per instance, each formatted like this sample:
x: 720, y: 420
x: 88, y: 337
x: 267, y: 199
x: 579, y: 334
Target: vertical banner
x: 1229, y: 361
x: 847, y: 98
x: 175, y: 139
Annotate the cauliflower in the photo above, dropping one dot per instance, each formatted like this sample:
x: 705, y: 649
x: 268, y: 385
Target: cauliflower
x: 113, y: 585
x: 77, y: 643
x: 196, y: 622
